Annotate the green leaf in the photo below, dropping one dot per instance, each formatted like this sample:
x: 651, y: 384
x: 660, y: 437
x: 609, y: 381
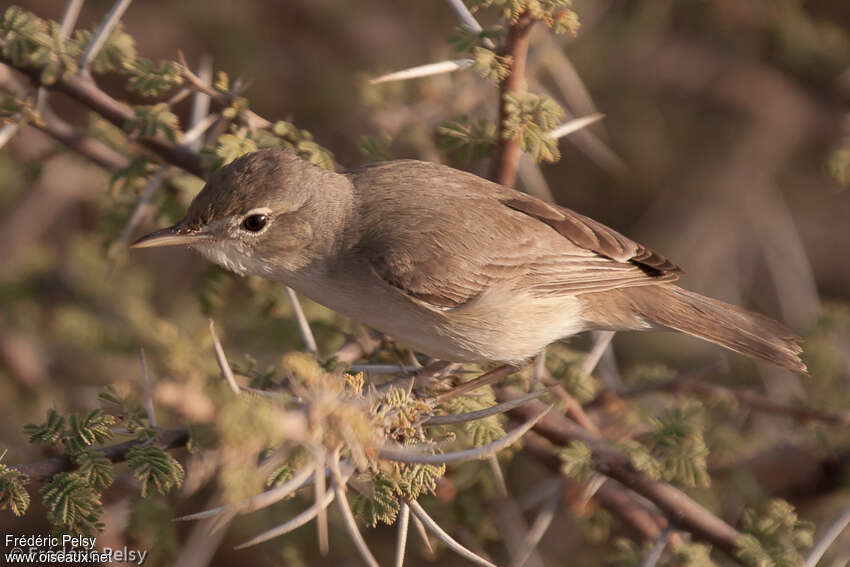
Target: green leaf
x: 95, y: 468
x: 85, y: 431
x: 474, y: 140
x: 678, y: 443
x: 376, y: 148
x: 230, y: 146
x: 25, y: 35
x: 640, y: 458
x: 13, y: 495
x: 464, y: 40
x: 577, y: 461
x: 156, y: 469
x: 420, y: 479
x: 315, y: 153
x: 774, y: 536
x: 491, y: 66
x: 49, y: 432
x: 152, y: 80
x: 72, y: 504
x: 280, y: 475
x: 118, y: 51
x: 528, y: 120
x: 128, y: 412
x: 378, y: 503
x: 149, y: 121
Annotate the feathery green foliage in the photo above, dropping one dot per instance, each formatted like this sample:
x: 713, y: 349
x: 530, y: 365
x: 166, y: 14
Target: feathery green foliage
x: 577, y: 461
x: 155, y: 469
x: 679, y: 446
x: 73, y: 506
x: 774, y: 536
x: 529, y: 118
x: 94, y: 468
x: 13, y: 494
x: 153, y: 120
x: 49, y: 432
x: 150, y: 79
x: 472, y: 140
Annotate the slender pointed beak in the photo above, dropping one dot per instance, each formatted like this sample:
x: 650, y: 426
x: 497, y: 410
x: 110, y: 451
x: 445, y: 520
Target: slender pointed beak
x: 172, y: 236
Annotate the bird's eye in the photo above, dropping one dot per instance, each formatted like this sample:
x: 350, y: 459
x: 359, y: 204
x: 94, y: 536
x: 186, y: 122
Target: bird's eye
x: 255, y: 223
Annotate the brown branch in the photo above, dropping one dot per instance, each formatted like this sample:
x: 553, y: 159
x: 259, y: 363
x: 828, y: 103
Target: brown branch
x: 488, y: 378
x: 86, y: 92
x: 44, y: 470
x: 90, y: 148
x: 745, y: 397
x: 506, y: 160
x: 682, y: 510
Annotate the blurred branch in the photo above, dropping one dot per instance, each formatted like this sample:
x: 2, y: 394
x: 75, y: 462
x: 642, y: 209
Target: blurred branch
x: 85, y: 91
x: 678, y: 506
x: 106, y: 26
x: 43, y: 470
x: 828, y: 538
x: 506, y: 158
x: 90, y: 148
x: 749, y: 398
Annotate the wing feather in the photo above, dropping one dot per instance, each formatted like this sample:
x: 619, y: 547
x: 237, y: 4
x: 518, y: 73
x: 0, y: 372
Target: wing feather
x: 505, y: 239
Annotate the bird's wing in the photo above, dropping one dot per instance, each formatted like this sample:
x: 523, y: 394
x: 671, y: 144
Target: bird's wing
x: 500, y: 238
x: 592, y: 235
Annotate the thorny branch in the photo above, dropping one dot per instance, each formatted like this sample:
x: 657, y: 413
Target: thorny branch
x: 506, y: 160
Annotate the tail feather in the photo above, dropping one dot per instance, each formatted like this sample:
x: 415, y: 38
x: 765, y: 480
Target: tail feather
x: 719, y: 322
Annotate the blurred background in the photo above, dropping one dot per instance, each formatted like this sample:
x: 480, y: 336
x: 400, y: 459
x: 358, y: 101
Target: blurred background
x: 725, y: 146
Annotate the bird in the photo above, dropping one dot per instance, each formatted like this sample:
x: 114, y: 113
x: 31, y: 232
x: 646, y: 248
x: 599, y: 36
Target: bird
x: 450, y: 264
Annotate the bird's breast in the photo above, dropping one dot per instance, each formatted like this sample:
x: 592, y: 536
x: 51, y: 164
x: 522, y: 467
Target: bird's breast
x: 501, y: 325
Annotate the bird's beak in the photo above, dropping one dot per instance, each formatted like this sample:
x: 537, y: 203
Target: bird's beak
x: 175, y: 235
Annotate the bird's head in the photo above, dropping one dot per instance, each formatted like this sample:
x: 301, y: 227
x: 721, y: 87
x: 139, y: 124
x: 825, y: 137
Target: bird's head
x: 265, y: 213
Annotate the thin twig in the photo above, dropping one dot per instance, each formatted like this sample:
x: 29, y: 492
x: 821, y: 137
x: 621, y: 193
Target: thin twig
x: 423, y: 535
x: 501, y: 485
x: 682, y: 510
x: 293, y: 523
x: 413, y: 456
x: 102, y: 34
x: 147, y: 389
x: 403, y: 524
x: 465, y: 16
x: 481, y: 414
x: 263, y: 500
x: 139, y: 211
x: 538, y: 529
x: 496, y: 375
x: 574, y: 125
x: 441, y: 534
x: 440, y: 68
x: 657, y: 548
x: 8, y: 132
x: 468, y: 20
x: 221, y: 359
x: 201, y: 100
x: 320, y: 494
x: 303, y: 323
x: 69, y: 17
x: 347, y: 516
x: 829, y: 536
x: 600, y: 343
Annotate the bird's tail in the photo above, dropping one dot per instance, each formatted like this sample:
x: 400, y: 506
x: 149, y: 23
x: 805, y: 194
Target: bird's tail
x: 721, y: 323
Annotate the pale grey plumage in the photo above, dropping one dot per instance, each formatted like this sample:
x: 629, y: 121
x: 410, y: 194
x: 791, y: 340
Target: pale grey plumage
x: 449, y: 263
